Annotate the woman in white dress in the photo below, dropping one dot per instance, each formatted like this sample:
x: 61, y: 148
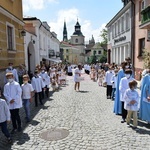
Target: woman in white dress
x: 77, y: 74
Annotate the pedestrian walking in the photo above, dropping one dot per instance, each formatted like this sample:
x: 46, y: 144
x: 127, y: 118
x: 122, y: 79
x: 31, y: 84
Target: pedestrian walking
x: 27, y: 94
x: 77, y: 75
x: 123, y: 86
x: 117, y: 102
x: 4, y: 119
x: 37, y: 84
x: 12, y: 93
x: 108, y: 77
x: 13, y: 70
x: 131, y: 99
x: 144, y: 112
x: 114, y: 83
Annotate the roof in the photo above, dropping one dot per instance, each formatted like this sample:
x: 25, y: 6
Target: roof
x: 97, y: 46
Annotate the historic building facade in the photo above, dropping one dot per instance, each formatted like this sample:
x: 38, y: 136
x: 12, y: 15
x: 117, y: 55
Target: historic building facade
x: 75, y: 47
x: 119, y: 35
x: 41, y: 45
x: 142, y: 33
x: 11, y: 33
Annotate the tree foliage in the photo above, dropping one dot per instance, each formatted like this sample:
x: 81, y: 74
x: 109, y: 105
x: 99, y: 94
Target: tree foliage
x: 104, y: 36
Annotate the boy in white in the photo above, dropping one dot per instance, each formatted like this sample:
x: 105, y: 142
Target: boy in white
x: 108, y: 77
x: 12, y: 93
x: 14, y: 71
x: 4, y: 118
x: 46, y: 80
x: 123, y: 86
x: 114, y: 83
x: 37, y: 84
x: 131, y: 98
x: 27, y: 91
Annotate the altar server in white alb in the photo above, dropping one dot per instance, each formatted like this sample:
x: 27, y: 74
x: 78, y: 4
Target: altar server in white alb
x: 123, y: 86
x: 14, y: 71
x: 27, y: 93
x: 12, y: 93
x: 46, y: 80
x: 131, y: 98
x: 37, y: 84
x: 4, y: 119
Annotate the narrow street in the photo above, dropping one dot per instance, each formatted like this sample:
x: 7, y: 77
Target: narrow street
x: 71, y: 120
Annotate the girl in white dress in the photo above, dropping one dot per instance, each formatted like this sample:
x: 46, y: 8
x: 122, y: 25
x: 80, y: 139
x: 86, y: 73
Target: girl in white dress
x: 77, y: 75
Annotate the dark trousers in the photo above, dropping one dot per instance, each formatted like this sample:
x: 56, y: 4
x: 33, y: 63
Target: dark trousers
x: 15, y: 118
x: 113, y: 93
x: 109, y: 90
x: 46, y: 92
x: 124, y: 112
x: 4, y: 129
x: 38, y: 95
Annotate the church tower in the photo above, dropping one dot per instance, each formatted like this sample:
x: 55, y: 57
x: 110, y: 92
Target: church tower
x: 65, y: 38
x: 77, y: 39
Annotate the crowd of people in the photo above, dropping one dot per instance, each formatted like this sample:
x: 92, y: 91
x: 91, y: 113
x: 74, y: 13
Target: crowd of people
x: 121, y: 86
x: 19, y: 89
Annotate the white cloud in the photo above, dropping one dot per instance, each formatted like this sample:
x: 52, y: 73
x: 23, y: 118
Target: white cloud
x: 71, y: 16
x: 36, y: 5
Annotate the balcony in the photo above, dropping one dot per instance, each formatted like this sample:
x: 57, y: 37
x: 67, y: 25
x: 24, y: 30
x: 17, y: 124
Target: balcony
x: 145, y: 22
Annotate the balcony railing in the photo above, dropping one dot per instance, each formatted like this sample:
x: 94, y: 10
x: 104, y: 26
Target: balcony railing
x: 145, y: 16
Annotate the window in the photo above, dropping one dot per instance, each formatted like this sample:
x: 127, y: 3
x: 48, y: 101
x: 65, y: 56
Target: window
x: 67, y: 57
x: 108, y: 34
x: 118, y: 26
x: 99, y: 52
x: 122, y: 24
x: 142, y: 5
x: 127, y: 21
x: 113, y: 31
x: 141, y: 46
x: 10, y: 36
x: 76, y: 40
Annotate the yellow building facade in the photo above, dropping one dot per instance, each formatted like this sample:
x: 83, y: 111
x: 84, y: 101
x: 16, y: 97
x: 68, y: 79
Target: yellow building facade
x: 11, y: 33
x: 70, y: 53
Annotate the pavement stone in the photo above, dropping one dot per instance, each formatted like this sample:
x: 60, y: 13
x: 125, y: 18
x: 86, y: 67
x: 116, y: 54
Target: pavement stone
x: 87, y: 115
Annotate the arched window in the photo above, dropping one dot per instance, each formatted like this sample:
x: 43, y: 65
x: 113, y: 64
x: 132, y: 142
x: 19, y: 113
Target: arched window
x: 76, y: 40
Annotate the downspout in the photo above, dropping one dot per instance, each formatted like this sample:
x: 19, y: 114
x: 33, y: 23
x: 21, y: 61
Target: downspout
x: 133, y: 34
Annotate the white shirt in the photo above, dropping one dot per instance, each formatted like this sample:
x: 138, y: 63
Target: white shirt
x: 123, y: 86
x: 108, y: 77
x: 26, y: 90
x: 4, y: 111
x: 76, y: 74
x: 45, y: 78
x: 13, y: 91
x: 69, y: 69
x: 37, y: 84
x: 114, y: 81
x: 128, y: 97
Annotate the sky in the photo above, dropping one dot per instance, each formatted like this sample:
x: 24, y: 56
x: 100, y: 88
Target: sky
x: 93, y: 15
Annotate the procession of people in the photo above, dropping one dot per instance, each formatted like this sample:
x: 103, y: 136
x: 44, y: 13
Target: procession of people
x: 121, y: 87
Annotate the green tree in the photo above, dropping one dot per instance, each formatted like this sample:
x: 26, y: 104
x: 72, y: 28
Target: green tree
x: 104, y: 36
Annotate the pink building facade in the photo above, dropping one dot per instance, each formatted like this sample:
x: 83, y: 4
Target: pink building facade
x: 142, y: 36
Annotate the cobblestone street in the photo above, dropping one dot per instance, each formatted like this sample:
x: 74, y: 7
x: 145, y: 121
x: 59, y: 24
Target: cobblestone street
x: 87, y: 115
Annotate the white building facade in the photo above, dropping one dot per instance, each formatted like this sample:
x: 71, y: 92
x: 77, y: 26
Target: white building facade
x: 119, y: 35
x: 45, y: 46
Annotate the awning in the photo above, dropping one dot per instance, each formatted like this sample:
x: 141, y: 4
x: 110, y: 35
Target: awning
x: 53, y: 60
